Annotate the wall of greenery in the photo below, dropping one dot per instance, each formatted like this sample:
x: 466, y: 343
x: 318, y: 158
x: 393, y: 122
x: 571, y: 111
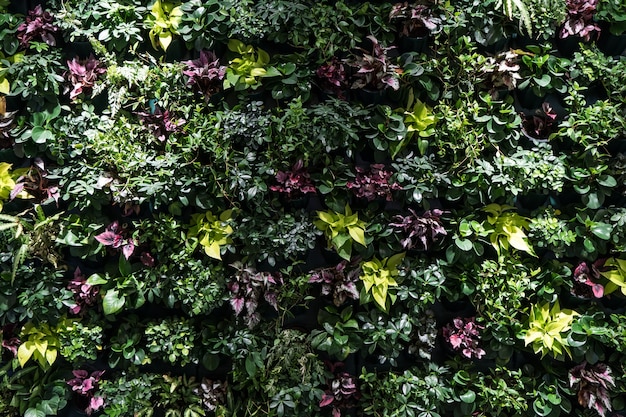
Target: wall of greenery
x: 312, y: 208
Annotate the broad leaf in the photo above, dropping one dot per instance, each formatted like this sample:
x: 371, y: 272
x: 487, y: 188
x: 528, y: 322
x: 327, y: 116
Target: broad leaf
x: 112, y: 302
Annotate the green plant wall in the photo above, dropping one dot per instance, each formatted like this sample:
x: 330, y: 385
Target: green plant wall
x: 312, y: 208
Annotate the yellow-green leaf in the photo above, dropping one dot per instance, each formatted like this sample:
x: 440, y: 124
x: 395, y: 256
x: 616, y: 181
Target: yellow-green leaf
x: 24, y: 352
x: 380, y: 295
x: 357, y: 234
x: 51, y: 356
x: 5, y: 87
x: 213, y: 250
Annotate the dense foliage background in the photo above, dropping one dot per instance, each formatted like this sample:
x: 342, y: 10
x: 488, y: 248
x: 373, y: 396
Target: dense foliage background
x: 289, y: 208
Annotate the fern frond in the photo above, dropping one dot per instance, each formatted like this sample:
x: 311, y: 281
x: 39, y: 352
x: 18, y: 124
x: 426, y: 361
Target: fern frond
x: 510, y: 7
x: 18, y: 257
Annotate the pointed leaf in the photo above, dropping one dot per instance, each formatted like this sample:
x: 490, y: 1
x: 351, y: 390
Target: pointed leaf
x: 24, y: 352
x: 213, y: 250
x: 112, y: 302
x: 358, y: 235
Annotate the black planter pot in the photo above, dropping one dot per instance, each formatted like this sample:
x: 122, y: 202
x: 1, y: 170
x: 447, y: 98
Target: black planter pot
x: 527, y: 99
x: 610, y: 44
x: 616, y: 146
x: 408, y: 44
x: 568, y: 46
x: 445, y: 311
x: 494, y: 48
x: 614, y: 303
x: 80, y: 49
x: 371, y: 97
x: 533, y: 201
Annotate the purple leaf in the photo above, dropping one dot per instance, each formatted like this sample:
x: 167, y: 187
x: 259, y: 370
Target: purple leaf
x: 128, y: 249
x: 327, y: 399
x: 109, y: 238
x: 237, y: 304
x: 598, y: 290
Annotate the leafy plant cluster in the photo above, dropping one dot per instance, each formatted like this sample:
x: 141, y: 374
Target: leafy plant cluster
x: 290, y: 208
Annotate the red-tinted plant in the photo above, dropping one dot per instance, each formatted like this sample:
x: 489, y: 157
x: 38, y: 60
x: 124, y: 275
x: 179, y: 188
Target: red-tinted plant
x: 248, y: 286
x: 542, y: 123
x: 115, y: 237
x: 10, y: 341
x: 375, y: 70
x: 463, y: 334
x: 161, y: 123
x: 580, y: 21
x: 342, y: 393
x: 83, y: 75
x: 38, y: 26
x: 332, y: 77
x: 592, y: 383
x: 586, y: 280
x: 421, y: 232
x: 36, y: 183
x: 340, y: 281
x: 415, y: 20
x: 294, y: 183
x: 205, y: 73
x: 85, y: 385
x: 85, y: 294
x: 373, y: 183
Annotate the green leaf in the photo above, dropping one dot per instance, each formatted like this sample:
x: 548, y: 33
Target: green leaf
x: 124, y: 266
x: 112, y: 302
x: 593, y: 200
x: 607, y: 181
x: 464, y: 244
x: 250, y: 366
x: 602, y: 230
x: 544, y: 81
x: 34, y: 412
x: 96, y: 279
x: 469, y: 397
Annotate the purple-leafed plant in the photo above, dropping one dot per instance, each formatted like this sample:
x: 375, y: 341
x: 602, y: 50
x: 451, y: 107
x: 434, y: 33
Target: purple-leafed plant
x: 85, y: 385
x: 205, y: 73
x: 502, y: 71
x: 247, y: 287
x: 83, y: 75
x: 340, y: 281
x: 592, y: 383
x: 375, y: 71
x: 540, y: 124
x: 161, y: 123
x: 586, y: 279
x: 10, y: 341
x: 422, y: 232
x: 115, y: 237
x: 38, y: 26
x: 332, y: 76
x: 373, y: 183
x: 294, y: 183
x: 85, y: 294
x: 36, y: 183
x: 7, y: 123
x: 415, y: 20
x: 212, y: 393
x: 463, y: 334
x: 580, y: 21
x: 342, y: 393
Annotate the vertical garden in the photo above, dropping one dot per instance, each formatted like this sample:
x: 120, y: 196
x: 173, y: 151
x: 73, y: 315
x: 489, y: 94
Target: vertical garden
x: 312, y: 208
